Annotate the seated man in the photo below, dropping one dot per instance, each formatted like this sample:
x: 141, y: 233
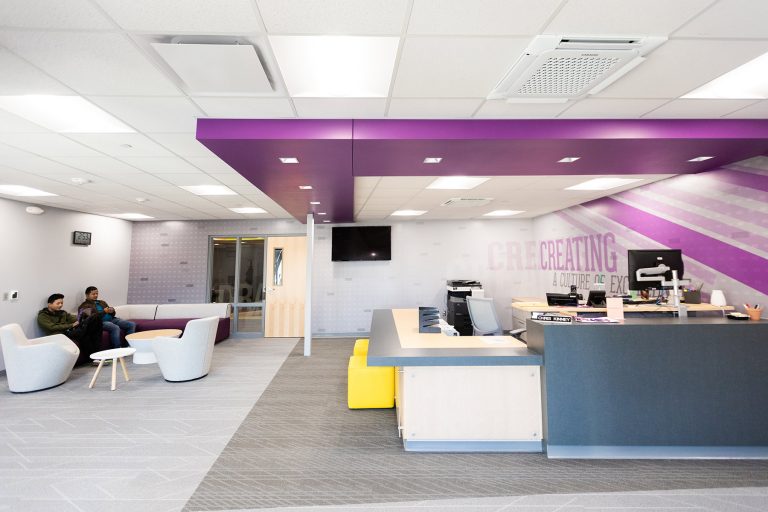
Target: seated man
x: 110, y: 322
x: 54, y: 320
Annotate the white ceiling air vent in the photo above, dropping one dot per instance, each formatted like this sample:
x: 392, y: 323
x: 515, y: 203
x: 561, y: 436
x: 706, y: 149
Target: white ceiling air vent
x: 207, y: 65
x: 557, y: 68
x: 464, y: 202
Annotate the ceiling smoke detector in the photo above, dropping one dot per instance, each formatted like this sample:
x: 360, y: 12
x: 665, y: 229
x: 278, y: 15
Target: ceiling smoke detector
x: 466, y: 202
x: 560, y: 67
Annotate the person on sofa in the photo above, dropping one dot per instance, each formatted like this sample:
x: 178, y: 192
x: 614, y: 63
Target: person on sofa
x: 110, y: 322
x: 52, y: 319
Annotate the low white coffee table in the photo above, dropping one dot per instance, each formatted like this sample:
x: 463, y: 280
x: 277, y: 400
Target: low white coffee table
x: 142, y: 342
x: 115, y: 354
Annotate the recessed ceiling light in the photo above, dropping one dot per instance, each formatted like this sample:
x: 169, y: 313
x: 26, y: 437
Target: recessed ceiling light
x: 322, y: 213
x: 249, y: 209
x: 408, y: 213
x: 21, y: 190
x: 748, y: 81
x: 433, y: 160
x: 63, y: 114
x: 336, y: 66
x: 305, y: 187
x: 289, y: 159
x: 80, y: 181
x: 326, y: 221
x: 700, y: 158
x: 131, y: 216
x: 209, y: 190
x: 141, y: 200
x: 603, y: 183
x: 502, y: 213
x: 568, y: 159
x: 314, y: 202
x: 456, y: 183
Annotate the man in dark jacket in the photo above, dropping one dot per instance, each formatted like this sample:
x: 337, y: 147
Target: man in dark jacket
x: 110, y: 322
x: 86, y: 333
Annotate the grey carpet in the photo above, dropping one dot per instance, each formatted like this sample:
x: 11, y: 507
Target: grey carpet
x: 301, y: 446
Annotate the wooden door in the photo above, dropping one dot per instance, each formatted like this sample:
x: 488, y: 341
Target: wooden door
x: 286, y: 280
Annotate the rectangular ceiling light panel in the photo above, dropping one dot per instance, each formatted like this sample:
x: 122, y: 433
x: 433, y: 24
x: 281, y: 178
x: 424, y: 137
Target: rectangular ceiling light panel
x: 63, y: 114
x: 748, y: 81
x: 216, y: 68
x: 456, y: 183
x: 336, y: 66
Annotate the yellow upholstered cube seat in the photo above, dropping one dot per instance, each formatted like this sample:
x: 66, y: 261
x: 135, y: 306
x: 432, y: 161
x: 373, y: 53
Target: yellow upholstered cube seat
x: 369, y: 387
x: 361, y: 347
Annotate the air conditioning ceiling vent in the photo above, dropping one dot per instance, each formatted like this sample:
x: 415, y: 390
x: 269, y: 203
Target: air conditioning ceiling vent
x: 558, y: 67
x: 464, y: 202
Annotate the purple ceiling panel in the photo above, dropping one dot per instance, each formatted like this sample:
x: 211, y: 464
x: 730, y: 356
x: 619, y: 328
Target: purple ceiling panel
x: 332, y: 152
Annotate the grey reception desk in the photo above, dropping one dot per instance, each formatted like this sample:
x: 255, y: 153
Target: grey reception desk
x: 654, y: 388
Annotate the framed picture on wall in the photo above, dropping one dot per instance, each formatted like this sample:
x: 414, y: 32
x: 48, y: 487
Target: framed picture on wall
x: 81, y: 238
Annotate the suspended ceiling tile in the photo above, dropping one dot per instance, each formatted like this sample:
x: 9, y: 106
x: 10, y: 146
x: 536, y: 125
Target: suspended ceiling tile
x: 148, y: 114
x: 610, y: 108
x: 502, y: 109
x: 624, y: 17
x: 402, y: 182
x: 46, y: 144
x: 451, y: 67
x: 679, y: 66
x: 38, y: 165
x: 210, y: 164
x: 184, y: 16
x: 696, y: 108
x: 245, y: 108
x: 480, y: 17
x: 160, y: 164
x: 433, y: 108
x: 91, y: 63
x: 183, y: 144
x: 20, y: 77
x: 758, y: 110
x: 121, y: 144
x: 101, y: 165
x: 344, y: 108
x: 189, y: 179
x: 729, y: 18
x: 70, y: 14
x: 348, y: 17
x: 230, y: 179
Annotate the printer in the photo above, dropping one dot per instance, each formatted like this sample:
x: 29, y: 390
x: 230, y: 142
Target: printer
x: 458, y: 314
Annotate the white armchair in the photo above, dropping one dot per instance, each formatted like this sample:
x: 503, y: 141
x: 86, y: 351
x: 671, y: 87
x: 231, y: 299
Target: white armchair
x: 36, y: 364
x: 189, y: 357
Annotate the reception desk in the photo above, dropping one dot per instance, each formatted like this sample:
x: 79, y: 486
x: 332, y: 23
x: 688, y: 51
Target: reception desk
x: 459, y: 394
x: 654, y: 388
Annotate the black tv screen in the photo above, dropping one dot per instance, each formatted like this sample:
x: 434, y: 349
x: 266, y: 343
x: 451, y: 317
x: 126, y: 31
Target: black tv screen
x: 363, y: 243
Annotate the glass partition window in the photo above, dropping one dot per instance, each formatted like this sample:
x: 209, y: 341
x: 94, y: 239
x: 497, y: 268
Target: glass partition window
x: 278, y: 267
x: 223, y: 269
x: 251, y: 270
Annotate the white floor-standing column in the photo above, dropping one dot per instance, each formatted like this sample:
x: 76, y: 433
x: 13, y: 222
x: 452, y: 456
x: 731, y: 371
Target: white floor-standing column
x: 308, y: 298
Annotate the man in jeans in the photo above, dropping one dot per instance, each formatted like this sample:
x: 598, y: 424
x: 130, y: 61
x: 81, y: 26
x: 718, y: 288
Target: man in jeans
x: 86, y: 333
x: 110, y: 322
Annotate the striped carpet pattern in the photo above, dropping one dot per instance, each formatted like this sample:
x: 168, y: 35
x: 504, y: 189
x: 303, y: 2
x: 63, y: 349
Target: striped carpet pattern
x: 301, y: 446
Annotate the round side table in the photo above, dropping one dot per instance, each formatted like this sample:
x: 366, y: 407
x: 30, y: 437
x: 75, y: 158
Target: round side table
x: 115, y: 354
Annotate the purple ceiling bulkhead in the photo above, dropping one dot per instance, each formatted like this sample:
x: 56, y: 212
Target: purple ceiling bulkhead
x: 332, y: 152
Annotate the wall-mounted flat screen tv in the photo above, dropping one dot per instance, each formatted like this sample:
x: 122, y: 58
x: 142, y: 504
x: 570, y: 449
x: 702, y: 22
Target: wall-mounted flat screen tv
x: 361, y: 243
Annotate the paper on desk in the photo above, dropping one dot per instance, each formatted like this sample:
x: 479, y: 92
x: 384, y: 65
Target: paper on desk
x: 615, y: 307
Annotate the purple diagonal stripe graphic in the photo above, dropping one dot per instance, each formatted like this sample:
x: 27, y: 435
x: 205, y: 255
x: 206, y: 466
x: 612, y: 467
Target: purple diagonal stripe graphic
x: 742, y: 179
x: 741, y: 265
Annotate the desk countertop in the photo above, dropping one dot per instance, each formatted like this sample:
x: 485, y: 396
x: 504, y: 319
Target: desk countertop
x: 540, y: 306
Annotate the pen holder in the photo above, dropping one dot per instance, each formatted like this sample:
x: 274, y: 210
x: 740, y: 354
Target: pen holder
x: 692, y: 297
x: 754, y: 313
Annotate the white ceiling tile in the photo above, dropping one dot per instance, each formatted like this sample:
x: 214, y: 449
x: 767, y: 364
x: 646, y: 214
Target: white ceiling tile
x: 623, y: 17
x: 120, y: 144
x: 70, y: 14
x: 141, y: 181
x: 230, y: 179
x: 340, y: 107
x: 696, y: 108
x: 611, y: 108
x: 189, y: 179
x: 100, y: 165
x: 6, y: 150
x: 159, y: 164
x: 432, y: 108
x: 403, y: 182
x: 20, y: 77
x: 680, y: 66
x: 37, y: 165
x: 10, y: 123
x: 152, y: 114
x: 729, y: 18
x: 454, y: 67
x: 245, y: 108
x: 182, y: 16
x: 210, y: 164
x: 500, y: 108
x: 337, y: 17
x: 757, y: 110
x: 183, y: 144
x: 46, y: 144
x: 91, y: 63
x: 480, y: 17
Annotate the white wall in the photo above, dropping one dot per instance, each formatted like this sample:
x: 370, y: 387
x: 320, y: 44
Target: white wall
x: 37, y: 258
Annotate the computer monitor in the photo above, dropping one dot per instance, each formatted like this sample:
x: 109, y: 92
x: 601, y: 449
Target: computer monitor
x: 562, y: 299
x: 596, y: 298
x: 648, y: 258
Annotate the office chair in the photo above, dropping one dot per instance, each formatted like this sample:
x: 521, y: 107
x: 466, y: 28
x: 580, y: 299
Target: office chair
x: 482, y: 313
